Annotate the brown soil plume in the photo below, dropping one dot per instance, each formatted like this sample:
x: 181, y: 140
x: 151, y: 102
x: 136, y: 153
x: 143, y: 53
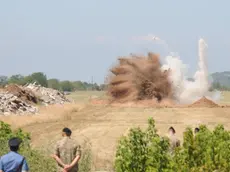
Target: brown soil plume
x: 139, y: 78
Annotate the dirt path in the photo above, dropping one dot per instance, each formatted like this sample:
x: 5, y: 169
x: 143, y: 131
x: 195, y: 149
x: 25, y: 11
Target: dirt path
x: 103, y: 126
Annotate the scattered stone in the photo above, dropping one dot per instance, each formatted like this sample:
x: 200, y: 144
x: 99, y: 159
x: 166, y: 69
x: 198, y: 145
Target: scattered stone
x: 16, y: 99
x: 9, y: 103
x: 47, y: 96
x: 24, y: 94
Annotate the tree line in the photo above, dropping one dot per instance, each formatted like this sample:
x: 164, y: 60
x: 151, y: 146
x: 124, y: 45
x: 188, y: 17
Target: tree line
x: 41, y: 79
x: 218, y: 86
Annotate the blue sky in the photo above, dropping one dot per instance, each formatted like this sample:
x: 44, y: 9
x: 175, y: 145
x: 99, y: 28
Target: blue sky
x: 78, y: 39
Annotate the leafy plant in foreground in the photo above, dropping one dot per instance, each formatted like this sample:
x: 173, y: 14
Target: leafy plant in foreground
x: 38, y: 161
x: 145, y: 151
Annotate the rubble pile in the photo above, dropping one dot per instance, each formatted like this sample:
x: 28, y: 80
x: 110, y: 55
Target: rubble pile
x: 24, y: 94
x: 23, y: 99
x: 47, y: 96
x: 9, y: 103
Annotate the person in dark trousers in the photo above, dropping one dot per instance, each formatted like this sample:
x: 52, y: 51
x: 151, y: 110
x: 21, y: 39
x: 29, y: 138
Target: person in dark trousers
x: 13, y: 161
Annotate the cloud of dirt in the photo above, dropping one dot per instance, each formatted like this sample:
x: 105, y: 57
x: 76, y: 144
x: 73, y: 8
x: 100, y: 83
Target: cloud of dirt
x: 144, y: 78
x: 139, y: 78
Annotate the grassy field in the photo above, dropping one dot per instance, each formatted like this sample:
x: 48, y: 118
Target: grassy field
x: 225, y: 98
x: 101, y: 126
x: 85, y: 96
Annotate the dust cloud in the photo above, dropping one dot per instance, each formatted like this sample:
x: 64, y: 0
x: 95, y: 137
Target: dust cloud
x: 139, y: 78
x: 145, y: 78
x: 187, y: 91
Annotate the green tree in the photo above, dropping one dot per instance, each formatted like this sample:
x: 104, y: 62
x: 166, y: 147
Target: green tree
x: 218, y: 86
x: 103, y: 87
x: 143, y: 151
x: 66, y: 86
x: 17, y: 79
x: 78, y: 85
x: 207, y: 151
x: 3, y: 81
x: 29, y: 79
x: 54, y: 83
x: 38, y: 77
x: 95, y: 87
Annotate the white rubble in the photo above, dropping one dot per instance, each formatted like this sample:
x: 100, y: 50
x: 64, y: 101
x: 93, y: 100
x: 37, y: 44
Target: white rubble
x: 47, y: 95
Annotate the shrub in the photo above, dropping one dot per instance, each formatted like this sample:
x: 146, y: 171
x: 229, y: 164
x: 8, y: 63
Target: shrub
x: 85, y: 162
x: 36, y: 160
x: 142, y: 151
x: 207, y: 151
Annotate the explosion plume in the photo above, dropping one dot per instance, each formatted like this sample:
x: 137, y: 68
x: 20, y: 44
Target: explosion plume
x: 144, y: 78
x: 139, y: 78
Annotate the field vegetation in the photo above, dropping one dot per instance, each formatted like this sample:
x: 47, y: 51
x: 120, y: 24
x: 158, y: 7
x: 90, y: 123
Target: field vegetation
x: 100, y: 127
x: 37, y: 160
x: 146, y: 151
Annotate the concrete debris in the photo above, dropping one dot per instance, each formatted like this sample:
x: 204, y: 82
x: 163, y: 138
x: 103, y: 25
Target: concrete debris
x: 9, y: 103
x: 18, y: 91
x: 16, y: 99
x: 47, y: 96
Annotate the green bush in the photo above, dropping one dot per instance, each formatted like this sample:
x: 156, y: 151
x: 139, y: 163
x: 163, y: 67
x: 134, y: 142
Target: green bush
x: 36, y: 160
x: 207, y: 151
x: 146, y: 151
x: 143, y: 151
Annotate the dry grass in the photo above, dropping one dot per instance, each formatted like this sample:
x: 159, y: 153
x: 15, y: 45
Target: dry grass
x: 225, y: 99
x: 82, y: 97
x: 50, y: 113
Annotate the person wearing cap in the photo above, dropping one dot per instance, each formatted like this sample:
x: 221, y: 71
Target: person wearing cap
x: 67, y: 152
x: 13, y: 161
x: 174, y: 141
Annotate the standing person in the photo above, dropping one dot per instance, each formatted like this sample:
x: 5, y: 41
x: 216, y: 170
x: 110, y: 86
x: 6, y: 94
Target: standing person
x: 67, y: 152
x: 13, y: 161
x: 174, y: 141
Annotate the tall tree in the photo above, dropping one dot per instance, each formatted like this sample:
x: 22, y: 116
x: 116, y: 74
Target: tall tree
x: 3, y: 80
x: 17, y: 79
x: 38, y: 77
x: 66, y: 86
x: 54, y: 83
x: 78, y: 85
